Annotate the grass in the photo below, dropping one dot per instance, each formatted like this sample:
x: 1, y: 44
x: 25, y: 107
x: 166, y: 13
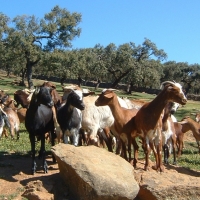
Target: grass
x: 14, y: 195
x: 189, y: 158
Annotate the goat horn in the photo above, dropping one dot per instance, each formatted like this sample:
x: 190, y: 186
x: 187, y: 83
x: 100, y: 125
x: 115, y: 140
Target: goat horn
x: 111, y: 89
x: 165, y: 82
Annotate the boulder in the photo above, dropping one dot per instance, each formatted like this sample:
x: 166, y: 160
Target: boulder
x: 93, y: 173
x: 174, y: 183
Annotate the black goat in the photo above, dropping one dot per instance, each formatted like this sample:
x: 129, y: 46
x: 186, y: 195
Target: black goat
x: 69, y: 117
x: 38, y: 121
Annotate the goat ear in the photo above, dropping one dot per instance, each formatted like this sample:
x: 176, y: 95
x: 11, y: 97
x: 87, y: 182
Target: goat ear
x: 109, y: 95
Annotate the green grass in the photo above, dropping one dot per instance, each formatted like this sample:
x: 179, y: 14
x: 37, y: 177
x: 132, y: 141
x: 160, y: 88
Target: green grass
x: 189, y: 159
x: 18, y: 148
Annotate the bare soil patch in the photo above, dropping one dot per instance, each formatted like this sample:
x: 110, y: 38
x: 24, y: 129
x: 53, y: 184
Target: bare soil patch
x: 15, y: 177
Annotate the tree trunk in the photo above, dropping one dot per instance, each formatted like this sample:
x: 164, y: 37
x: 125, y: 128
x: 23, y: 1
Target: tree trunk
x: 29, y: 75
x: 29, y: 66
x: 23, y: 72
x: 8, y: 73
x: 118, y: 79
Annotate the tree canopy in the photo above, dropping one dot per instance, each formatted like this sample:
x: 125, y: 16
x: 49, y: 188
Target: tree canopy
x: 29, y: 45
x: 30, y: 38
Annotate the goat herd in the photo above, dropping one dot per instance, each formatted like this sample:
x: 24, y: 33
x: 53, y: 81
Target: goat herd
x: 81, y: 118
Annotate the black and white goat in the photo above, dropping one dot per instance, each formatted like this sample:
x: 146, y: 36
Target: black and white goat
x: 69, y: 116
x: 38, y: 121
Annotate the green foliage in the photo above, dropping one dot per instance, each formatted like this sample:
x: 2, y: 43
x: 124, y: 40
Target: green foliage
x: 41, y: 46
x: 28, y: 39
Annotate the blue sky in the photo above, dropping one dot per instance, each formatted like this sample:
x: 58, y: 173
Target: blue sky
x: 173, y: 26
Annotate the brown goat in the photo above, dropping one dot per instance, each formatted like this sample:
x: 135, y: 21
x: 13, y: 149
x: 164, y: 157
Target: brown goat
x: 180, y: 130
x: 14, y: 121
x: 21, y: 97
x: 21, y: 112
x: 190, y: 125
x: 122, y: 116
x: 148, y: 121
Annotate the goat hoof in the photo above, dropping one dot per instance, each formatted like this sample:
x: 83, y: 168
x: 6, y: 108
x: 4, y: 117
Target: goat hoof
x: 162, y: 169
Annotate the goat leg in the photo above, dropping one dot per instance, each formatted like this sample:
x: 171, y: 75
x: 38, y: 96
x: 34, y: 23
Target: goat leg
x: 166, y: 153
x: 34, y: 166
x: 124, y: 153
x: 42, y: 154
x: 45, y: 166
x: 174, y: 150
x: 119, y: 146
x: 32, y: 140
x: 146, y: 151
x: 159, y: 154
x: 75, y: 137
x: 135, y: 149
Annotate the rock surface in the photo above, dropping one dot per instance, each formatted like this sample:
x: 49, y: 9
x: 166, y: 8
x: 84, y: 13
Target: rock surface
x: 174, y: 183
x: 94, y: 173
x: 36, y: 191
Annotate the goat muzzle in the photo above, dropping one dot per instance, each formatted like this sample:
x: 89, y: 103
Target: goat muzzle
x: 51, y: 104
x: 184, y: 101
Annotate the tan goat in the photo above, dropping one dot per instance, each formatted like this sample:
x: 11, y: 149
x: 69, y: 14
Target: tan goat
x: 190, y: 125
x: 122, y: 117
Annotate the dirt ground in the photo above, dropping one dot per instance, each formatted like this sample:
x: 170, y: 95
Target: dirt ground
x: 15, y: 178
x: 15, y: 175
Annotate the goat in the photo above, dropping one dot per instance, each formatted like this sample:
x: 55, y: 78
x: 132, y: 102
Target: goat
x: 3, y: 95
x: 76, y: 114
x: 7, y: 104
x: 57, y: 99
x: 174, y: 108
x: 3, y: 121
x: 122, y: 116
x: 168, y: 132
x: 96, y: 118
x: 69, y: 118
x: 14, y: 122
x: 90, y: 126
x: 189, y: 124
x: 21, y: 112
x: 23, y: 97
x: 148, y: 121
x: 180, y: 129
x: 38, y: 121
